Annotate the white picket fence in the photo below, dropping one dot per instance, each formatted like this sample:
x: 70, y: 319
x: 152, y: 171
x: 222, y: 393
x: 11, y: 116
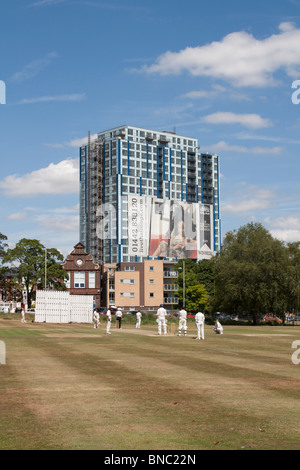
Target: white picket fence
x: 61, y: 307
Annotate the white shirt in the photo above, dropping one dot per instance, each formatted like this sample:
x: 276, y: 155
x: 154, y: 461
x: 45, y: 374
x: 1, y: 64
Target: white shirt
x: 200, y: 317
x: 182, y: 314
x: 161, y: 313
x: 108, y: 314
x: 138, y: 315
x: 119, y: 314
x: 96, y: 315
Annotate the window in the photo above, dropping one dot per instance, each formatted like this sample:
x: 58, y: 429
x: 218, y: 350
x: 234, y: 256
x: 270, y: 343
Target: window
x: 151, y: 294
x: 151, y: 281
x: 68, y: 281
x: 151, y: 268
x: 127, y: 281
x: 79, y: 280
x: 92, y: 280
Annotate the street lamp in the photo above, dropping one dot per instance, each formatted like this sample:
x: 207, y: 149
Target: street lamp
x: 183, y: 275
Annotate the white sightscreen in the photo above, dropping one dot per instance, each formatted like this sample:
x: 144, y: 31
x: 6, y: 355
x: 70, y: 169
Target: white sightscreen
x: 61, y: 307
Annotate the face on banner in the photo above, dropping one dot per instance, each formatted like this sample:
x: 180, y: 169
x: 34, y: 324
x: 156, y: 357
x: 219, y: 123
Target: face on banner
x: 169, y: 229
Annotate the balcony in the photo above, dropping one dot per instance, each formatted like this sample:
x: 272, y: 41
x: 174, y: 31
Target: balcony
x: 163, y: 140
x: 171, y: 287
x: 172, y: 274
x: 171, y: 300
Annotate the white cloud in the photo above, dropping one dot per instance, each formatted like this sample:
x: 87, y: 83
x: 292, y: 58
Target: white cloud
x: 34, y: 68
x: 80, y: 141
x: 45, y: 99
x: 43, y: 3
x: 74, y: 142
x: 216, y: 90
x: 239, y: 58
x: 286, y: 235
x: 246, y: 206
x: 61, y: 223
x: 286, y: 228
x: 223, y: 146
x: 60, y: 178
x: 17, y: 216
x: 249, y: 199
x: 288, y: 221
x: 253, y: 121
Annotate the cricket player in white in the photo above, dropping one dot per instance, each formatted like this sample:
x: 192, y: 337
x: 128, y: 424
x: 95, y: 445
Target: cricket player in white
x: 218, y: 328
x: 108, y: 316
x: 138, y: 319
x: 182, y: 322
x: 23, y: 316
x: 200, y: 319
x: 161, y: 319
x: 96, y: 318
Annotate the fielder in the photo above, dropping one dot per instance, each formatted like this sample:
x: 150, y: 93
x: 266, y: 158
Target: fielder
x: 161, y: 319
x: 23, y: 316
x: 108, y: 325
x: 96, y: 318
x: 218, y: 328
x: 199, y: 320
x: 182, y: 322
x: 138, y: 319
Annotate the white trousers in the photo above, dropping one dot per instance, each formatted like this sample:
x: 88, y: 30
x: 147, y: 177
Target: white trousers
x: 138, y: 323
x: 108, y: 326
x: 182, y: 326
x: 162, y: 323
x: 200, y: 330
x: 219, y: 331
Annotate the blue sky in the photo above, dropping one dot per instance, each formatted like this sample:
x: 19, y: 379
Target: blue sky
x: 218, y: 71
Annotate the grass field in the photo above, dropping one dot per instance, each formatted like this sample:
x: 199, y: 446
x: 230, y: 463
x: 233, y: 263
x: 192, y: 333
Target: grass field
x: 74, y: 387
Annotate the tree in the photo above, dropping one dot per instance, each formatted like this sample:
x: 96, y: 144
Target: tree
x: 205, y: 275
x: 293, y: 276
x: 196, y: 298
x: 30, y: 255
x: 195, y: 295
x: 3, y: 245
x: 250, y: 273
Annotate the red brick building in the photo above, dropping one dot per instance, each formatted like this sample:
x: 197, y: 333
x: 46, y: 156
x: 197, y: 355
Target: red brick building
x: 84, y: 273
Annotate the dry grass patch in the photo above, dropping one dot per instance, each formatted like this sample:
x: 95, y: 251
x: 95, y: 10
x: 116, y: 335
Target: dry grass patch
x: 73, y: 387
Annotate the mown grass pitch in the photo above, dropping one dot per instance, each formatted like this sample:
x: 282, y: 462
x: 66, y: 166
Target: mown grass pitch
x: 74, y: 387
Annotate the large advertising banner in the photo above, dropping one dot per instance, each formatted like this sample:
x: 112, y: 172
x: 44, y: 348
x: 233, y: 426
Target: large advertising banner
x: 169, y: 229
x: 139, y: 213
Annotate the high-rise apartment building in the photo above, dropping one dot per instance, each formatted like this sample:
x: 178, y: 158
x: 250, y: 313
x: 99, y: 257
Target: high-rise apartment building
x: 147, y: 194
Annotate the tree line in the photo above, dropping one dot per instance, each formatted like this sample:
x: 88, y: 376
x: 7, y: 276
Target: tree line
x: 29, y: 266
x: 253, y: 274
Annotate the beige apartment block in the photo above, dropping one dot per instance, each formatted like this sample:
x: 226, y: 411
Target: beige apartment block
x: 143, y: 286
x: 153, y: 283
x: 127, y: 288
